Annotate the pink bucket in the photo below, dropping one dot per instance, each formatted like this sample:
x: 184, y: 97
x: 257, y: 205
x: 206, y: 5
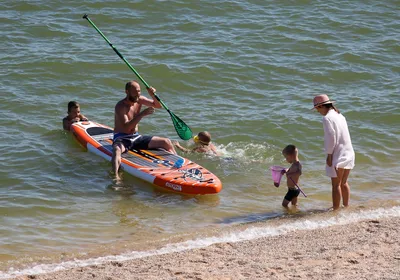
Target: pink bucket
x: 276, y: 174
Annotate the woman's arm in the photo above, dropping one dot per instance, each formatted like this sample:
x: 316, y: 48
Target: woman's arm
x: 329, y: 136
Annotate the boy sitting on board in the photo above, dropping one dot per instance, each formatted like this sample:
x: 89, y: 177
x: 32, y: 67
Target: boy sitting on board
x: 203, y: 144
x: 74, y: 115
x: 293, y: 173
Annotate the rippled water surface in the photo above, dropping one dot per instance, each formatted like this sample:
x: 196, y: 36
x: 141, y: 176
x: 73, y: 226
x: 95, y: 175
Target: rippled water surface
x: 244, y: 70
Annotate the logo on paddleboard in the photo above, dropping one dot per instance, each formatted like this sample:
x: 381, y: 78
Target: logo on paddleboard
x: 192, y: 173
x: 174, y: 186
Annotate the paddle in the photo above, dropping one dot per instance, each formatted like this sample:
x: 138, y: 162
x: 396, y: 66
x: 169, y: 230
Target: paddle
x: 298, y: 187
x: 182, y: 129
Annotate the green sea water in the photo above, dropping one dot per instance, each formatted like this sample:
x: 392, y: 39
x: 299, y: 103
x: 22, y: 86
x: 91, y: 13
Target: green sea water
x: 246, y: 71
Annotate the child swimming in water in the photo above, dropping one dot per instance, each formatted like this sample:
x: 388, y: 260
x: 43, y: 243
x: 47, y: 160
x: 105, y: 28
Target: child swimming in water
x: 203, y: 144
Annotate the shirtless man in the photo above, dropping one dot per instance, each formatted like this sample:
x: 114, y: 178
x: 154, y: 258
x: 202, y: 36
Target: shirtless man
x: 126, y: 119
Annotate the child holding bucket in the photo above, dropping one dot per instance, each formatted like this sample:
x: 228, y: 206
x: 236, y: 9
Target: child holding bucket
x: 293, y: 173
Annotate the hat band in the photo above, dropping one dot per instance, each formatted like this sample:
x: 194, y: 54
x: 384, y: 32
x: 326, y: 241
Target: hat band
x: 322, y: 103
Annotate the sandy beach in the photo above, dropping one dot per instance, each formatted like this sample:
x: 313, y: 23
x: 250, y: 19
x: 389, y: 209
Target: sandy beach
x: 365, y: 250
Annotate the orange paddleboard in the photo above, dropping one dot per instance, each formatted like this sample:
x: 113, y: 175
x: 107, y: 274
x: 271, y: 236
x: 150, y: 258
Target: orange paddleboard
x: 153, y: 166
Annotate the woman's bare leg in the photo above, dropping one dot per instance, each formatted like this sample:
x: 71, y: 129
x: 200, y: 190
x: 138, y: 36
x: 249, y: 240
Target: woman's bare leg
x: 345, y: 188
x: 336, y: 192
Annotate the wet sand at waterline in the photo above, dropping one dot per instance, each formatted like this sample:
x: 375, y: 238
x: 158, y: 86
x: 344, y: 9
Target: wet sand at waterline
x: 364, y: 250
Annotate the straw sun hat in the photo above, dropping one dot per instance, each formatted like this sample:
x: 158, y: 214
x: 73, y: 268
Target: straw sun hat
x: 321, y: 99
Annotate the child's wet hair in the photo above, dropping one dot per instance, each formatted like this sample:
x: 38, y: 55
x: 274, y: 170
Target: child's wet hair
x: 289, y: 150
x: 72, y: 104
x: 204, y: 136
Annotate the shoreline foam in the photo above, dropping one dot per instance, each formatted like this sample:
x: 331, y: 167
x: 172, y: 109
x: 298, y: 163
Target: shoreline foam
x: 239, y: 245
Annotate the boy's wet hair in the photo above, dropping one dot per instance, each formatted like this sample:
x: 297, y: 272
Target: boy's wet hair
x: 289, y: 150
x: 205, y: 136
x: 72, y: 104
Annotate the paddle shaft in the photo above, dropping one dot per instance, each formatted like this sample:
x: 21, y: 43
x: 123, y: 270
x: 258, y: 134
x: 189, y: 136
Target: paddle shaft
x: 297, y: 186
x: 126, y: 62
x: 182, y: 129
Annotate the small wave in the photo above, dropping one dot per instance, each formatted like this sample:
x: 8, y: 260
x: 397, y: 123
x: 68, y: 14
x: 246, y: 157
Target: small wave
x: 249, y: 233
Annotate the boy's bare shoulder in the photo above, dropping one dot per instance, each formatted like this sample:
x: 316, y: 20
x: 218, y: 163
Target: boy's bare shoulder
x: 66, y: 123
x: 66, y: 120
x: 299, y: 167
x: 296, y: 167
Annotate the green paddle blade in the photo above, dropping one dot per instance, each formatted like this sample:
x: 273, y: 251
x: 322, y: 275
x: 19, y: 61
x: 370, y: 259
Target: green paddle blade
x: 183, y: 131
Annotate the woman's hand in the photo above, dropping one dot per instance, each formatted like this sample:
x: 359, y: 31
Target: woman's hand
x: 329, y: 160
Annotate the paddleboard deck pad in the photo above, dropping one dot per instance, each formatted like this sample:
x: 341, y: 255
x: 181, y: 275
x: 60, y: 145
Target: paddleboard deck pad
x: 153, y: 166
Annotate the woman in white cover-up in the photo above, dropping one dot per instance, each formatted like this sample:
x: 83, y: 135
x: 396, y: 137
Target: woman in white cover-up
x: 340, y: 154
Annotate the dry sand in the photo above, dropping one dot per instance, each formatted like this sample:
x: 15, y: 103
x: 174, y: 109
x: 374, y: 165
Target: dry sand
x: 365, y: 250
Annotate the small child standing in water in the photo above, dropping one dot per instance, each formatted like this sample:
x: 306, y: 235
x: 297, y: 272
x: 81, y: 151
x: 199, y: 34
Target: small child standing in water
x: 293, y: 173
